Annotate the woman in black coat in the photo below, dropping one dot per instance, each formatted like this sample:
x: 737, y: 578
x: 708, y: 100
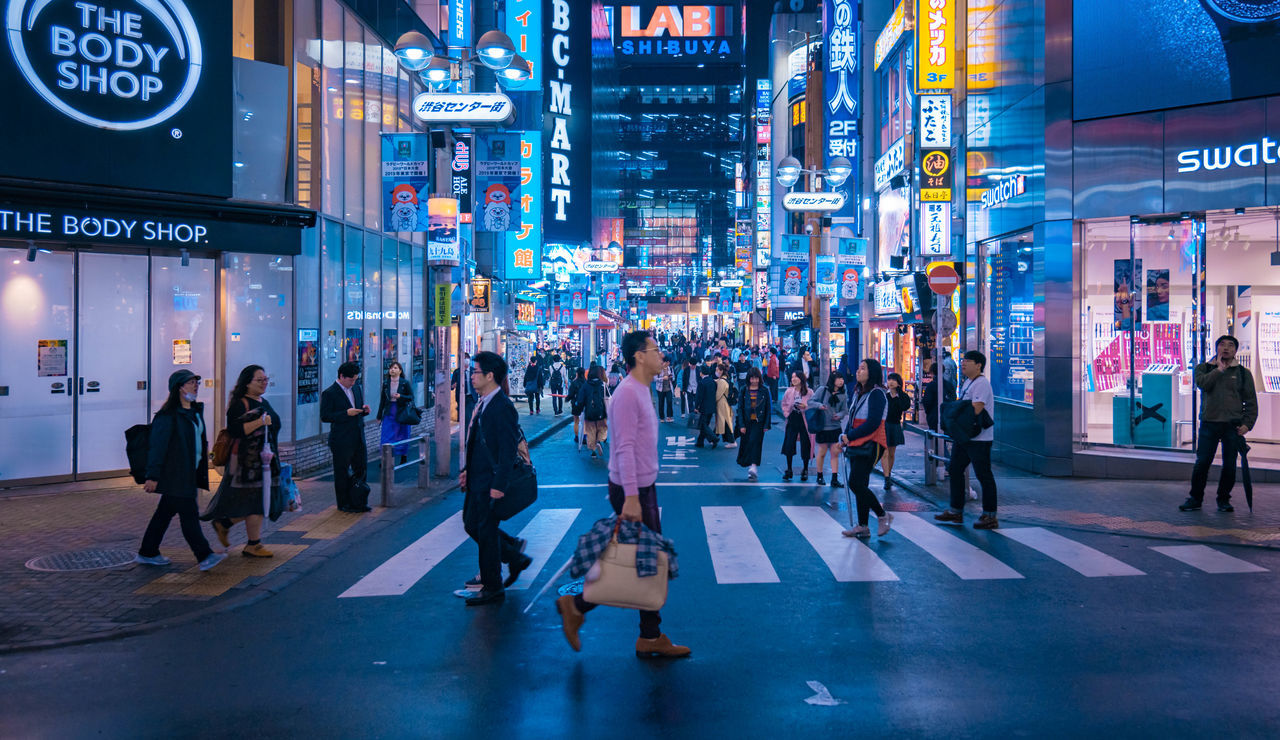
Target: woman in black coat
x: 397, y: 393
x: 532, y: 384
x: 755, y: 415
x: 178, y: 465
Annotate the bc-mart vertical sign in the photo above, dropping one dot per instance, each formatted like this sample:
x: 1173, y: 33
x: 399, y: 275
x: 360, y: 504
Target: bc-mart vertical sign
x: 936, y: 44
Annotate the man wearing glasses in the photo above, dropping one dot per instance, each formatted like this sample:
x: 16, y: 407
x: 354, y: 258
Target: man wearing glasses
x: 491, y: 454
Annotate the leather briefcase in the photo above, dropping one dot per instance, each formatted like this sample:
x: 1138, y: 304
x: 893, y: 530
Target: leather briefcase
x: 612, y: 580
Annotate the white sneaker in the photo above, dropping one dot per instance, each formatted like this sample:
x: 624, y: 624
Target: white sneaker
x: 751, y: 473
x: 727, y: 445
x: 213, y: 559
x: 885, y: 521
x: 153, y: 560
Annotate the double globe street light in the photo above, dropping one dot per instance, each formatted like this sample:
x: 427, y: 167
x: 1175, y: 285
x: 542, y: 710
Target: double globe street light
x: 837, y: 172
x: 494, y: 50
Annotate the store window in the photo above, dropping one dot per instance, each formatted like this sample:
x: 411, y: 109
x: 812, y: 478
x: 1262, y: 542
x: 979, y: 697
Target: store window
x: 307, y: 272
x: 259, y: 295
x: 1009, y: 313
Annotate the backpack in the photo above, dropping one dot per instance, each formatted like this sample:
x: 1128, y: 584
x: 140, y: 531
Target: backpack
x: 557, y: 379
x: 595, y: 409
x: 732, y: 396
x: 137, y: 447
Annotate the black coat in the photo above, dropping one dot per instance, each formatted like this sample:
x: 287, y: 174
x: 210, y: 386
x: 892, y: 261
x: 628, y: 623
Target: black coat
x: 491, y: 455
x: 575, y: 387
x: 706, y: 401
x: 170, y: 461
x: 344, y: 431
x: 405, y: 390
x: 763, y: 409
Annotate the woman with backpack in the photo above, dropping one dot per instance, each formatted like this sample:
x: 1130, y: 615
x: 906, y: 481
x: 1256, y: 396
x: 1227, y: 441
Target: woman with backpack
x: 559, y: 379
x: 532, y: 383
x: 833, y: 401
x: 593, y: 397
x: 794, y: 403
x: 755, y: 415
x: 178, y: 465
x: 575, y: 409
x: 864, y: 443
x: 724, y: 408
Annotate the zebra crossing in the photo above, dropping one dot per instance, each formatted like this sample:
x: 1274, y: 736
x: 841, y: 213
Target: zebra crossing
x: 739, y: 556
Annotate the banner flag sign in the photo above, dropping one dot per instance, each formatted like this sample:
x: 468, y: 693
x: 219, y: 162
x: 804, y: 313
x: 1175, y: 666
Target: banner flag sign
x: 406, y: 181
x: 442, y: 231
x: 825, y: 268
x: 498, y: 181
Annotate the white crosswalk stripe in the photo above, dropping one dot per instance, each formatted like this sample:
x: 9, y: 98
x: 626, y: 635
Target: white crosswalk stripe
x: 963, y: 559
x: 1081, y: 558
x: 736, y: 553
x: 407, y: 567
x: 543, y: 533
x: 848, y: 558
x: 1208, y: 559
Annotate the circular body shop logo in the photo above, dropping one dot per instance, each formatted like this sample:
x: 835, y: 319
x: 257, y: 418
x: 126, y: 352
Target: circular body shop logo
x: 115, y: 64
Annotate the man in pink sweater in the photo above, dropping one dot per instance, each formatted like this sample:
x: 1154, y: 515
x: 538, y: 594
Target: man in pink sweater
x: 633, y: 472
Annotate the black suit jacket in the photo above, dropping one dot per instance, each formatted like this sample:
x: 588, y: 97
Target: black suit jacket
x: 491, y: 454
x: 707, y: 395
x: 385, y: 406
x: 344, y: 431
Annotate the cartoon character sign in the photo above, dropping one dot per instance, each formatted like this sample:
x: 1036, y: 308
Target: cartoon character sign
x: 791, y: 281
x: 497, y: 207
x: 404, y: 208
x: 849, y: 284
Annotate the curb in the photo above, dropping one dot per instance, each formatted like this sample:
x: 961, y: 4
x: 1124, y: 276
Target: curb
x: 274, y: 583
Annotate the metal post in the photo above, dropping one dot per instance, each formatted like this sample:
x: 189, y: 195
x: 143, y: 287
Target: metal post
x: 823, y: 314
x: 440, y: 277
x: 424, y: 467
x: 388, y: 474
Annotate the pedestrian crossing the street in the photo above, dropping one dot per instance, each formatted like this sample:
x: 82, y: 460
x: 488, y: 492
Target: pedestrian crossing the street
x: 738, y: 555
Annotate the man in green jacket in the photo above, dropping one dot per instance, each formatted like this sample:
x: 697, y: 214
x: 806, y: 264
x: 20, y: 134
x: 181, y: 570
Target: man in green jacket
x: 1228, y: 410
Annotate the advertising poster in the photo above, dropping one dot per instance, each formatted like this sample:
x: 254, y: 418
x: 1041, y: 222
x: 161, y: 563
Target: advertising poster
x: 578, y: 288
x: 841, y: 93
x: 182, y: 351
x: 352, y: 344
x: 850, y: 261
x: 444, y: 305
x: 825, y: 267
x: 308, y: 366
x: 1157, y: 295
x: 419, y: 347
x: 498, y: 181
x: 481, y: 294
x: 795, y: 267
x: 593, y: 308
x: 460, y: 175
x: 442, y: 233
x: 51, y: 358
x: 389, y: 354
x: 406, y: 181
x: 566, y: 316
x: 1128, y: 299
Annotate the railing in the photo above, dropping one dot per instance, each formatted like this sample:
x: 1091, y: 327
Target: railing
x: 389, y: 467
x: 937, y: 449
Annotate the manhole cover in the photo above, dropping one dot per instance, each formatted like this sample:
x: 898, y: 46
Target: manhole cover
x: 81, y: 560
x: 571, y: 588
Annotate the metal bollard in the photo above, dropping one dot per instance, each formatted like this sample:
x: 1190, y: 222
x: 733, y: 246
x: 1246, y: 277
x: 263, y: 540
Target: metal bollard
x: 930, y: 465
x: 424, y: 467
x: 388, y: 474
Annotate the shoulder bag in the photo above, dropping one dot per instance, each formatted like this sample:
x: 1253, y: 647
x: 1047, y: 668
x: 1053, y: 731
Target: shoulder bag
x: 612, y: 580
x: 522, y: 484
x: 408, y: 414
x: 815, y: 417
x: 224, y: 444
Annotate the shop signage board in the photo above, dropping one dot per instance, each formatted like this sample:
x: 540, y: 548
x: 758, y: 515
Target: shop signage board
x: 892, y: 31
x: 821, y: 202
x: 460, y: 175
x: 566, y: 123
x: 132, y: 228
x: 842, y: 94
x: 523, y: 260
x: 935, y: 229
x: 463, y: 108
x: 935, y: 121
x: 936, y: 44
x: 442, y: 233
x: 672, y: 34
x: 887, y: 299
x: 936, y: 175
x: 444, y: 305
x: 459, y: 35
x: 480, y: 295
x: 1008, y: 189
x: 890, y: 164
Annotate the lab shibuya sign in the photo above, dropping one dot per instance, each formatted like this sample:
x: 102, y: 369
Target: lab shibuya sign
x: 107, y: 67
x: 821, y: 202
x: 444, y: 107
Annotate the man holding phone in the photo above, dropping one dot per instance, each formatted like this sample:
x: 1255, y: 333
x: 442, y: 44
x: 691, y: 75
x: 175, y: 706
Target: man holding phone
x: 1228, y: 410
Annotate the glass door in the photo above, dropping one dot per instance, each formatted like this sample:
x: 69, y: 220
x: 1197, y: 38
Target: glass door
x: 111, y: 381
x: 37, y: 405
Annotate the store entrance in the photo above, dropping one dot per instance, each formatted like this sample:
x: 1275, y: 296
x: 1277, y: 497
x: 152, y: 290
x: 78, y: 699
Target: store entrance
x: 1144, y: 337
x: 88, y: 353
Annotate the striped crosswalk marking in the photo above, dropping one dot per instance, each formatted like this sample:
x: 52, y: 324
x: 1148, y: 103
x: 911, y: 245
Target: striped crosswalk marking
x: 1208, y: 559
x: 544, y: 533
x: 1081, y: 558
x: 407, y: 567
x: 736, y: 552
x: 848, y: 558
x: 963, y: 559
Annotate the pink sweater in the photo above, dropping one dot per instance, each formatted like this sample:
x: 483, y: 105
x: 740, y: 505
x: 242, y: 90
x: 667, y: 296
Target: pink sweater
x: 633, y: 461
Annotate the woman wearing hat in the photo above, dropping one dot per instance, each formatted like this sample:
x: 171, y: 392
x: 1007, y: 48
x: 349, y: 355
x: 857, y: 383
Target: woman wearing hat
x: 177, y: 465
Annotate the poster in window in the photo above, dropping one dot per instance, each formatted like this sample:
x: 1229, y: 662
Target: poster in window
x: 389, y: 354
x: 308, y: 366
x: 418, y: 346
x: 1128, y: 300
x: 51, y: 358
x: 1157, y: 295
x: 351, y: 347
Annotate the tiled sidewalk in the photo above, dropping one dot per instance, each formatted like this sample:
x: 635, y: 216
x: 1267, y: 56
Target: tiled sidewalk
x: 1137, y: 507
x: 40, y: 608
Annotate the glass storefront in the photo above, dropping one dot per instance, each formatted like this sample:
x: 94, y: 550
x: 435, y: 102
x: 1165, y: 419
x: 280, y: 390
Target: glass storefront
x: 1008, y: 316
x: 1156, y: 294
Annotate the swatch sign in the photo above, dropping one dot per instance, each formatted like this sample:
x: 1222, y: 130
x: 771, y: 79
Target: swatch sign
x: 112, y: 64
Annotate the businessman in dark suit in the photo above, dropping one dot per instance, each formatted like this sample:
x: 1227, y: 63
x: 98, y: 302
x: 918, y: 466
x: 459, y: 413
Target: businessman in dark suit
x: 706, y: 407
x: 492, y: 439
x: 342, y: 406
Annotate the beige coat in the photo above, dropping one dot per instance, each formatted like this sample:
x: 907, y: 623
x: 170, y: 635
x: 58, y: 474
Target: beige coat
x: 724, y: 414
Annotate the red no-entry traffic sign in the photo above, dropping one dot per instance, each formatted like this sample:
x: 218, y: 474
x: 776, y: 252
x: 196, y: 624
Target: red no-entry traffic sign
x: 943, y: 279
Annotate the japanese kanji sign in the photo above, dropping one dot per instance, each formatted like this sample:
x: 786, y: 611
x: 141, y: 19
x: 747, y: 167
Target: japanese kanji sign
x: 936, y: 44
x: 935, y: 229
x: 441, y: 107
x: 841, y: 93
x: 936, y: 175
x: 935, y: 121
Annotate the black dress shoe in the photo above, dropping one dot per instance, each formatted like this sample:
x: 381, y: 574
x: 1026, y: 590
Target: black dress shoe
x: 1189, y: 505
x: 1225, y: 506
x: 487, y: 596
x: 515, y: 569
x: 363, y: 510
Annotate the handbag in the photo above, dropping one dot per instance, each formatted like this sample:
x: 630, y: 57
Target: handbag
x: 522, y: 484
x: 224, y: 444
x: 409, y: 414
x: 612, y: 580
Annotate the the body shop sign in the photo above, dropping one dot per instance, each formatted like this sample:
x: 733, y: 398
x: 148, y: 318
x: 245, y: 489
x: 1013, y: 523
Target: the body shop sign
x: 98, y: 92
x: 566, y: 125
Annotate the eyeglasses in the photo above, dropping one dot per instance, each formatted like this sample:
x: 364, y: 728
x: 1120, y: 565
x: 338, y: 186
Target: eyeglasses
x: 261, y: 379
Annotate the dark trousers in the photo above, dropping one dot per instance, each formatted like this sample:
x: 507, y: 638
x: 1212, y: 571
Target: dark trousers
x: 706, y: 426
x: 557, y: 403
x: 496, y: 546
x: 977, y: 454
x: 772, y: 385
x: 1212, y: 433
x: 666, y: 407
x: 349, y: 465
x: 860, y: 484
x: 534, y: 398
x: 649, y: 621
x: 188, y: 516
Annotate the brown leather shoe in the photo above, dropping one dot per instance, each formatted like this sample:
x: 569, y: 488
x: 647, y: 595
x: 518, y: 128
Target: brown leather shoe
x: 256, y: 551
x: 660, y: 647
x: 571, y: 620
x: 950, y: 516
x: 223, y: 533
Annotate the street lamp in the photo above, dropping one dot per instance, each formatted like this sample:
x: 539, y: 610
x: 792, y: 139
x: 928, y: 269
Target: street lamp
x: 788, y: 171
x: 518, y: 71
x: 495, y: 50
x: 414, y: 51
